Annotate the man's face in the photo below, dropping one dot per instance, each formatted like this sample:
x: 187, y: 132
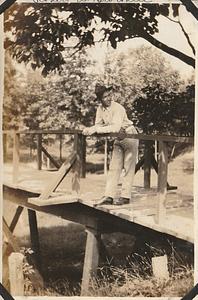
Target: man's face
x: 106, y: 99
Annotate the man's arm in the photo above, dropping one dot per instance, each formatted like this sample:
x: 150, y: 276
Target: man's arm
x: 98, y: 122
x: 115, y: 126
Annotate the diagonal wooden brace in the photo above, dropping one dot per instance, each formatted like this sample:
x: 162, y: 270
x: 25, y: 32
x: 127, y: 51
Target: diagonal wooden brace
x: 61, y: 173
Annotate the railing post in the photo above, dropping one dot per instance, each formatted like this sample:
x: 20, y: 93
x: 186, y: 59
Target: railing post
x: 4, y: 146
x: 162, y: 180
x: 105, y: 156
x: 39, y: 151
x: 147, y: 164
x: 16, y: 157
x: 76, y: 170
x: 83, y: 156
x: 60, y: 147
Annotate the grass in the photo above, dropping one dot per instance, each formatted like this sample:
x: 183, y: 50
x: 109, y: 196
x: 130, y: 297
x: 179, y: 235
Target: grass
x: 124, y: 273
x: 136, y: 279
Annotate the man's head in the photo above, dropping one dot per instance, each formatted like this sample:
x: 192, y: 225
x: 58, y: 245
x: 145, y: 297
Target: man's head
x: 103, y: 93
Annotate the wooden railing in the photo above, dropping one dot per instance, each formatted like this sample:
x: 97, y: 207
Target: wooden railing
x: 80, y: 149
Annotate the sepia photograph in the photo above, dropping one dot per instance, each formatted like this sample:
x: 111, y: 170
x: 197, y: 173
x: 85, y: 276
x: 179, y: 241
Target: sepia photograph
x: 98, y: 148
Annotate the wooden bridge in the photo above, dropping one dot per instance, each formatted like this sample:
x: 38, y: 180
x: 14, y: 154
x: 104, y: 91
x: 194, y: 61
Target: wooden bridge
x: 151, y: 209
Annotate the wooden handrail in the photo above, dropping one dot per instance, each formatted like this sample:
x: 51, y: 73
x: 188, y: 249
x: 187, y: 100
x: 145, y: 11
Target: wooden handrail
x: 139, y: 136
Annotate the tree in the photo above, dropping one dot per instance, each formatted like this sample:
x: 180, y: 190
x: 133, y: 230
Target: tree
x: 42, y: 31
x: 44, y: 103
x: 155, y: 97
x: 163, y: 112
x: 13, y: 104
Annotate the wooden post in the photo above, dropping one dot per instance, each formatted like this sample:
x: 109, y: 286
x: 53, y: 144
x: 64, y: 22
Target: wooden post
x: 160, y: 267
x: 77, y: 168
x: 91, y: 259
x: 156, y: 150
x: 61, y: 147
x: 16, y: 277
x: 83, y: 156
x: 147, y: 164
x: 39, y: 151
x: 16, y: 158
x: 105, y: 156
x: 4, y: 146
x: 34, y: 236
x: 162, y: 181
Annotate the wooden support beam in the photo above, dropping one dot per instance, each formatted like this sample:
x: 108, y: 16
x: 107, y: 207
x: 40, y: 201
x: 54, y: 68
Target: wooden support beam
x: 16, y: 158
x: 4, y: 146
x: 61, y: 147
x: 52, y: 160
x: 162, y: 181
x: 91, y: 259
x: 10, y: 236
x: 13, y: 225
x: 16, y: 277
x: 83, y: 156
x: 59, y: 176
x: 77, y: 168
x: 39, y: 151
x: 105, y: 156
x: 34, y: 236
x: 147, y: 164
x: 15, y: 218
x: 139, y: 164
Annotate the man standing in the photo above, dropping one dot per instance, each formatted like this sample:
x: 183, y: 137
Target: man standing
x: 111, y: 117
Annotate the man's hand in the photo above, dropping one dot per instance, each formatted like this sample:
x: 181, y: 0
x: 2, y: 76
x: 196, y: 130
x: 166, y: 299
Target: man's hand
x: 121, y: 134
x: 89, y: 130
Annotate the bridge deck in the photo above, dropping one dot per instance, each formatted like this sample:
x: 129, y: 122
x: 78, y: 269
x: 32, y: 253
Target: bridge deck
x: 142, y: 209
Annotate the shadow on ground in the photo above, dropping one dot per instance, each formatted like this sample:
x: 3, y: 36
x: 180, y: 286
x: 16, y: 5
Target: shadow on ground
x: 63, y: 247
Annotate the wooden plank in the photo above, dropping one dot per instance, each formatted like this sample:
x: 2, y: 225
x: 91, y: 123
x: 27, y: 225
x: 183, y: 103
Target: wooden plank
x: 16, y: 277
x: 52, y: 160
x: 34, y: 236
x: 16, y: 158
x: 140, y: 136
x: 162, y: 181
x: 58, y: 177
x: 147, y: 164
x: 91, y: 259
x: 53, y: 200
x: 81, y: 213
x: 39, y: 151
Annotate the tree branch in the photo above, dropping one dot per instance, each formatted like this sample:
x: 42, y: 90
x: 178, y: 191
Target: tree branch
x: 184, y: 32
x: 174, y: 52
x: 191, y: 7
x: 187, y: 37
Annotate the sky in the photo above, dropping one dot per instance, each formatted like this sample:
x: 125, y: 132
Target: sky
x: 169, y: 33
